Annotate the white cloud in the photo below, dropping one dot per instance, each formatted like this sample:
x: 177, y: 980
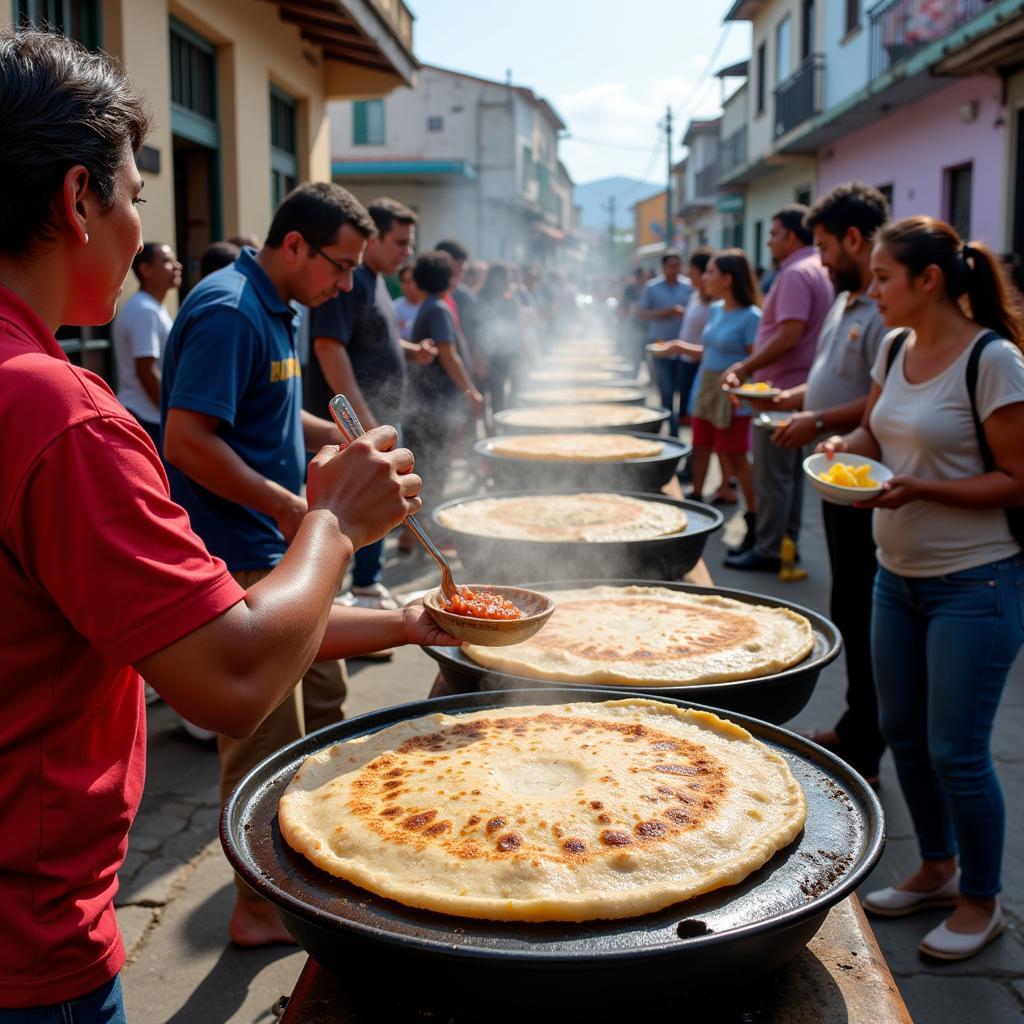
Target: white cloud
x: 615, y: 115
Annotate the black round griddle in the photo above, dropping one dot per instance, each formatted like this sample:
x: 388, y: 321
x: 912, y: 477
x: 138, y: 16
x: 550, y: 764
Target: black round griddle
x: 651, y: 425
x: 727, y: 938
x: 647, y: 474
x: 504, y: 560
x: 777, y: 697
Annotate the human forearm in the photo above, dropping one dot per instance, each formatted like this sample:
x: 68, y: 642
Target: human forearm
x: 251, y: 656
x: 838, y: 419
x: 317, y: 432
x: 990, y: 490
x: 341, y: 379
x: 783, y: 342
x: 450, y: 359
x: 149, y: 377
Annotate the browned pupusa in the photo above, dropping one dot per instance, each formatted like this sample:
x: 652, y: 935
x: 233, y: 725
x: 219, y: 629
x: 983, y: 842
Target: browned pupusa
x: 570, y: 812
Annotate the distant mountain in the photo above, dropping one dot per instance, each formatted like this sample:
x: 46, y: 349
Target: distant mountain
x: 594, y: 195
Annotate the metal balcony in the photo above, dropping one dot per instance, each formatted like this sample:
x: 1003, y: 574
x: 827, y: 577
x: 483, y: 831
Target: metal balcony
x: 706, y: 179
x: 899, y: 28
x: 732, y: 152
x: 799, y: 97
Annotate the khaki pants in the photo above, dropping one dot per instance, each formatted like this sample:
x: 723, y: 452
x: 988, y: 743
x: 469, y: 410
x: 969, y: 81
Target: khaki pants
x: 315, y: 702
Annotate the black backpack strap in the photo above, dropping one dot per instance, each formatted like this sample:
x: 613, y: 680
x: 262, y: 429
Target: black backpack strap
x: 894, y: 349
x: 973, y: 363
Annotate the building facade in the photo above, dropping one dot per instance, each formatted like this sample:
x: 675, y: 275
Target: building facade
x: 476, y: 159
x: 649, y: 229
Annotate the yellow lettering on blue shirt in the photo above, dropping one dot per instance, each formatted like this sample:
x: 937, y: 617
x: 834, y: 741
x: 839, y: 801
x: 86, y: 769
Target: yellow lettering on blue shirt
x: 284, y: 369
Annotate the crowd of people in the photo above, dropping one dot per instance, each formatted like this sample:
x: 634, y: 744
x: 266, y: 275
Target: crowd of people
x: 209, y: 543
x: 900, y: 342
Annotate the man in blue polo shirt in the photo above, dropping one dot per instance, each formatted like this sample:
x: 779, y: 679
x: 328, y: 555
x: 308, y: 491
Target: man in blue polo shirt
x: 662, y: 305
x: 235, y: 437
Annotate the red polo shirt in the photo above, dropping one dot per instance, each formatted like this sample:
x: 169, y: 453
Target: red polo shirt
x: 98, y: 569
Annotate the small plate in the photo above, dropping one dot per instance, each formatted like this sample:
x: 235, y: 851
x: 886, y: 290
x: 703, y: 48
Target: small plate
x: 836, y: 493
x: 658, y: 349
x: 773, y: 419
x: 762, y: 393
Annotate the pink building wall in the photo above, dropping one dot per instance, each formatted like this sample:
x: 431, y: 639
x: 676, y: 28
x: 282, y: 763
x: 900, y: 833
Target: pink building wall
x: 913, y: 146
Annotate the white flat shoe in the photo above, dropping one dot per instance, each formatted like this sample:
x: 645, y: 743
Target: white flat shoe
x: 943, y: 944
x: 890, y: 902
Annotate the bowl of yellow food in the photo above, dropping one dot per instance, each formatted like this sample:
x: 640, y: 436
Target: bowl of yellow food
x: 756, y: 389
x: 846, y: 478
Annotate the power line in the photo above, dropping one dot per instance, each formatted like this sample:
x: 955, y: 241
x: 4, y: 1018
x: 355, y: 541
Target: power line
x: 607, y: 145
x: 694, y: 93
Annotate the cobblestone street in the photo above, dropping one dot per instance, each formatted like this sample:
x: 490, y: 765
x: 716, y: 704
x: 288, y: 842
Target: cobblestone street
x: 177, y: 892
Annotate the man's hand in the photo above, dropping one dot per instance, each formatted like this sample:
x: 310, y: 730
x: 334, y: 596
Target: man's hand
x: 419, y: 628
x: 369, y: 486
x: 800, y: 430
x: 422, y: 353
x: 475, y: 401
x: 735, y: 375
x: 288, y: 516
x: 788, y: 399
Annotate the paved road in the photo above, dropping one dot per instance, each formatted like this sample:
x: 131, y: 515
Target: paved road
x: 176, y: 887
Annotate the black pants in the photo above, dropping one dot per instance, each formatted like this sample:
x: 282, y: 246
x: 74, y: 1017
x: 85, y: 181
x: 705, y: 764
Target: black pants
x: 851, y: 551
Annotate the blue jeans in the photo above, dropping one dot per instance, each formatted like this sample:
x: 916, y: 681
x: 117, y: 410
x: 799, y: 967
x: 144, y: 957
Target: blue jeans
x: 367, y: 564
x: 103, y: 1005
x: 674, y: 378
x: 942, y: 647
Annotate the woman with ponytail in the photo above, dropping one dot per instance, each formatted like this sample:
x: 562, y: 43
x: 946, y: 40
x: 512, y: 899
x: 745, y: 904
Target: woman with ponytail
x: 946, y: 415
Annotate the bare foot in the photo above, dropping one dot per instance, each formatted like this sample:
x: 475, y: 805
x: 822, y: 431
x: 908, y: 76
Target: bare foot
x: 931, y: 875
x: 970, y: 916
x: 255, y: 923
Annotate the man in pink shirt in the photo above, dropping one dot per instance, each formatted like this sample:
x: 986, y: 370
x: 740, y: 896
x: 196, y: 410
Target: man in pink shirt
x: 794, y: 311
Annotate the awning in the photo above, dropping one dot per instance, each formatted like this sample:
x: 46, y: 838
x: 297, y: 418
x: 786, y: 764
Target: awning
x: 402, y: 169
x: 554, y: 234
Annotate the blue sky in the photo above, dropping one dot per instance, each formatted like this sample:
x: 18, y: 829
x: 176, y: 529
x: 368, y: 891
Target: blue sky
x: 608, y: 67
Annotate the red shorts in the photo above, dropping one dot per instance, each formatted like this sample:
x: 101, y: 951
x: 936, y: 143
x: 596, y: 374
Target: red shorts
x: 734, y: 440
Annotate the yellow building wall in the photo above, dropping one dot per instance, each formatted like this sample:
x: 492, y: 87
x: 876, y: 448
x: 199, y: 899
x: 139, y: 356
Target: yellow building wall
x: 644, y: 212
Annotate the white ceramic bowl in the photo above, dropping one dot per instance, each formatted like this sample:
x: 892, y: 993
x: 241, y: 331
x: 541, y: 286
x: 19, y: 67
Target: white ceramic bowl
x: 837, y: 494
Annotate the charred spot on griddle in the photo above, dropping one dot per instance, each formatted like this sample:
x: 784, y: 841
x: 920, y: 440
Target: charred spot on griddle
x: 495, y: 823
x: 574, y: 845
x: 510, y: 842
x: 691, y: 929
x: 419, y: 820
x: 613, y: 837
x: 650, y: 829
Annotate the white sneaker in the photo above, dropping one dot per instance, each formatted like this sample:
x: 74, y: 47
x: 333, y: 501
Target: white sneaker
x: 375, y: 596
x: 943, y: 944
x: 892, y: 902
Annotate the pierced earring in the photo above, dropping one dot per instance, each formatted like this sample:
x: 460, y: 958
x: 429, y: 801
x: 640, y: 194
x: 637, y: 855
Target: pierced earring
x: 87, y: 238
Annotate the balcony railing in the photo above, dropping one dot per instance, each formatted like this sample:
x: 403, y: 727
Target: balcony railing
x: 706, y: 179
x: 732, y: 152
x: 399, y: 17
x: 899, y: 28
x: 798, y: 98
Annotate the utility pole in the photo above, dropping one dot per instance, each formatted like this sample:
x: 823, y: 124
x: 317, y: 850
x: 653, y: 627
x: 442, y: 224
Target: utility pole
x: 668, y: 179
x: 609, y: 205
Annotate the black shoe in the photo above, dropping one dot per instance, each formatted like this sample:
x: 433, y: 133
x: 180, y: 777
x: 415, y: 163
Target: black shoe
x: 752, y: 561
x: 749, y: 539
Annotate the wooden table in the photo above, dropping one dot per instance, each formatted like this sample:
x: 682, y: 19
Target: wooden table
x: 840, y: 978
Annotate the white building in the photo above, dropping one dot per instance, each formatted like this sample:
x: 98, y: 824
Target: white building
x: 701, y: 223
x: 476, y: 159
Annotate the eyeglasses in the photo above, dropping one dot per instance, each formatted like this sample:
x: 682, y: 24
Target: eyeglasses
x: 334, y: 263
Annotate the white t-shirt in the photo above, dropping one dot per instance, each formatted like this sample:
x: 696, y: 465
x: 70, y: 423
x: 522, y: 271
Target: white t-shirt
x: 926, y: 430
x: 694, y: 319
x: 406, y: 312
x: 140, y: 330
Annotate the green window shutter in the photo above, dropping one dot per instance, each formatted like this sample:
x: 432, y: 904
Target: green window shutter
x: 359, y: 123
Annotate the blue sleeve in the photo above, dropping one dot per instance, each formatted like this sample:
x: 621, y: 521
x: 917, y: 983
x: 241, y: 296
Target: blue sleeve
x: 750, y: 326
x: 440, y: 325
x: 647, y: 299
x: 333, y: 319
x: 216, y: 357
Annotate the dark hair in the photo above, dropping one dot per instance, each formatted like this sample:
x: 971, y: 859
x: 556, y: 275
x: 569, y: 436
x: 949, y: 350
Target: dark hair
x: 386, y: 213
x: 791, y: 217
x: 433, y: 271
x: 405, y: 268
x: 318, y: 210
x: 734, y: 262
x: 497, y: 282
x: 853, y: 205
x: 145, y: 255
x: 701, y: 257
x: 217, y: 256
x: 670, y: 254
x: 969, y: 270
x: 240, y: 241
x: 60, y: 105
x: 456, y: 250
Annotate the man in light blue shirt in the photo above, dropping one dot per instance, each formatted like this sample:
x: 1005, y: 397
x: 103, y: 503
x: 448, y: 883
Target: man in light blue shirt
x: 662, y: 305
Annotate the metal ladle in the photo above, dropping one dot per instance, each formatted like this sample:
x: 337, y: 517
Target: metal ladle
x: 348, y: 423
